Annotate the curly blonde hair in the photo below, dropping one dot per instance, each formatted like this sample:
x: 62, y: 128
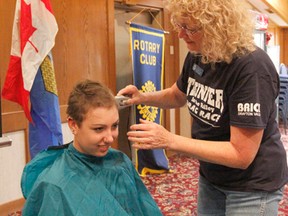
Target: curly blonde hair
x: 227, y: 26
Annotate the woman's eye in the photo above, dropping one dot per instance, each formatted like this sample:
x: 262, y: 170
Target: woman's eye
x: 98, y: 129
x: 115, y: 125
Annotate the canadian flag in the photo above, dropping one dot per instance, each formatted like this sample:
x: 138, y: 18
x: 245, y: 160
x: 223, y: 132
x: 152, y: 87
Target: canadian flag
x: 33, y: 37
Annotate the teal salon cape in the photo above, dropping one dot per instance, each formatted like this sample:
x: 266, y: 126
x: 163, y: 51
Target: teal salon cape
x: 65, y: 182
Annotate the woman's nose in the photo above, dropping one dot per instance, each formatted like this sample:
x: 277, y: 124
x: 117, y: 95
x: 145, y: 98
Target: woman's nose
x: 109, y: 137
x: 181, y: 33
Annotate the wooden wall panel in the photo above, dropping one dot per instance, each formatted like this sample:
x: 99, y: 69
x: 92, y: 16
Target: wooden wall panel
x: 148, y: 3
x: 171, y: 66
x: 284, y: 46
x: 13, y: 118
x: 82, y: 44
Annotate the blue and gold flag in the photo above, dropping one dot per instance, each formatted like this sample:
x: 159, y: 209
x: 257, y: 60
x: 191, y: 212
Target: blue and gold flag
x: 147, y: 45
x: 45, y: 130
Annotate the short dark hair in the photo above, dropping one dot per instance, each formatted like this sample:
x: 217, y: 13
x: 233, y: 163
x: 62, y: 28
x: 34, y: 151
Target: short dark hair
x: 85, y: 95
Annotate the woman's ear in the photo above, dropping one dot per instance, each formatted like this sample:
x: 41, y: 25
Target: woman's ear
x: 72, y: 125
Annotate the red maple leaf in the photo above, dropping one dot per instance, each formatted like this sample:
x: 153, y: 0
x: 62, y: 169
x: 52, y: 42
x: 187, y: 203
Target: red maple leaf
x: 26, y: 27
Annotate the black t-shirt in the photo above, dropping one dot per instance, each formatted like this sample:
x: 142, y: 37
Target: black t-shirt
x: 242, y: 94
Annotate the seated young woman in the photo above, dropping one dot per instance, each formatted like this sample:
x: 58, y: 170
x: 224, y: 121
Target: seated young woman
x: 86, y: 177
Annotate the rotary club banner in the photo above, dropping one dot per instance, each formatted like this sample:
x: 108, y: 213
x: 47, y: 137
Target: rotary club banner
x: 147, y: 45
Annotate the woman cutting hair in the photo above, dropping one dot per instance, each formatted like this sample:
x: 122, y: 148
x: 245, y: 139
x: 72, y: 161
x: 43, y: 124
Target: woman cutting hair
x: 230, y: 87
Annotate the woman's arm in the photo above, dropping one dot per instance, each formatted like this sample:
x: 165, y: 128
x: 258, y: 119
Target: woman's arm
x: 168, y: 98
x: 239, y: 152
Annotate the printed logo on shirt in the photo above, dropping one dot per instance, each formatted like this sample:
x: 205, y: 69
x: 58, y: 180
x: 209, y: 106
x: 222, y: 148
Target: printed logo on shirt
x: 248, y: 109
x: 204, y: 102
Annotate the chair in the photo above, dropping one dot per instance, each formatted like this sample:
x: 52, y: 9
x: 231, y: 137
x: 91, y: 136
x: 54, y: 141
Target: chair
x: 283, y: 100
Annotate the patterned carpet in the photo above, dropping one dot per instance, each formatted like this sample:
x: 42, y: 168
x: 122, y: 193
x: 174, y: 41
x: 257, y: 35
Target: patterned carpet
x: 176, y: 192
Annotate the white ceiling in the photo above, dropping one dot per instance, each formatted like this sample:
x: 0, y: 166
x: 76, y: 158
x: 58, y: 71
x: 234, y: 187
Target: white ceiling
x: 263, y: 8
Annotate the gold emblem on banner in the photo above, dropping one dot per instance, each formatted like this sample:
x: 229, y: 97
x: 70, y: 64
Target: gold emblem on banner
x: 49, y: 76
x: 148, y: 112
